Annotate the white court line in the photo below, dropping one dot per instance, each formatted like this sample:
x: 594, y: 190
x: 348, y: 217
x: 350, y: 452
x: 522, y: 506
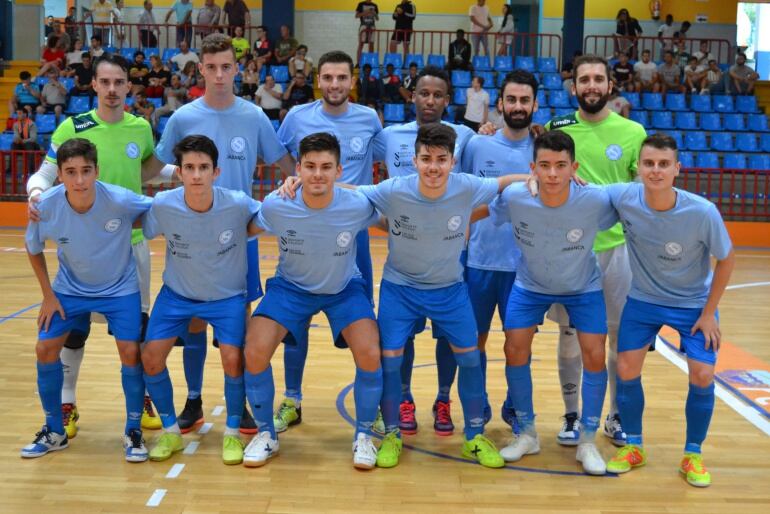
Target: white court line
x: 205, y: 428
x: 175, y: 470
x: 751, y: 415
x: 191, y: 448
x: 750, y: 284
x: 217, y: 410
x: 156, y: 498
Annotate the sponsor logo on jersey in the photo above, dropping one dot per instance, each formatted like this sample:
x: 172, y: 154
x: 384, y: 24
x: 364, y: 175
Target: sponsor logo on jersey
x: 672, y: 248
x: 238, y: 144
x: 613, y: 152
x: 344, y: 239
x: 356, y: 144
x: 84, y: 122
x: 132, y: 150
x: 574, y: 235
x: 113, y: 225
x: 225, y: 236
x: 564, y: 121
x: 454, y: 223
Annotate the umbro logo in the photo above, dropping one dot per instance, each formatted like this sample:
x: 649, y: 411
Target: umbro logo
x: 63, y: 240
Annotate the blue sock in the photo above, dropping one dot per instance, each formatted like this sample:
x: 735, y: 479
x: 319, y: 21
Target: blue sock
x: 698, y: 411
x: 367, y: 391
x: 194, y: 359
x: 630, y: 398
x: 592, y: 396
x: 261, y: 392
x: 294, y: 357
x: 132, y: 378
x: 447, y: 366
x: 162, y: 394
x: 235, y: 395
x: 483, y: 356
x: 519, y: 380
x: 391, y: 390
x: 470, y: 388
x: 50, y: 380
x: 407, y: 365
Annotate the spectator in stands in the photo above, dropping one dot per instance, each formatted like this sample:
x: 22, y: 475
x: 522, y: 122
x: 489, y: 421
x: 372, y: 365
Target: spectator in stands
x: 391, y: 84
x: 627, y: 32
x: 25, y: 136
x: 173, y: 98
x: 84, y: 75
x: 182, y: 9
x: 742, y: 78
x: 75, y: 56
x: 187, y: 75
x: 301, y: 62
x: 646, y: 74
x: 137, y: 73
x: 270, y: 97
x: 714, y: 79
x: 53, y: 56
x: 623, y: 74
x: 96, y: 49
x: 666, y: 35
x: 496, y: 115
x: 369, y: 89
x: 26, y: 95
x: 117, y: 20
x: 404, y: 14
x: 65, y: 41
x: 142, y: 107
x: 263, y: 49
x: 208, y: 19
x: 250, y: 81
x: 481, y: 22
x: 618, y: 104
x: 508, y: 28
x: 101, y: 14
x: 285, y: 47
x: 567, y: 70
x: 670, y: 75
x: 241, y: 45
x: 703, y: 55
x: 680, y: 48
x: 369, y: 14
x: 694, y: 76
x: 198, y: 89
x: 460, y: 52
x: 184, y: 56
x: 297, y: 93
x: 70, y: 24
x: 409, y: 84
x: 477, y: 108
x: 157, y: 78
x: 236, y: 14
x: 53, y: 97
x: 148, y: 27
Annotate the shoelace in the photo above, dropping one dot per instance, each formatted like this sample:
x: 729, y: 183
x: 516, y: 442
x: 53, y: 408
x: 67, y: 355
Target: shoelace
x: 406, y: 411
x: 442, y: 413
x: 569, y: 422
x: 43, y: 435
x: 136, y: 438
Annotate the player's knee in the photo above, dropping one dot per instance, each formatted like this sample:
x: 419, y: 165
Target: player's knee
x: 232, y: 363
x: 130, y: 355
x: 75, y: 340
x: 626, y: 368
x: 469, y: 359
x: 701, y: 376
x: 196, y: 325
x: 46, y: 352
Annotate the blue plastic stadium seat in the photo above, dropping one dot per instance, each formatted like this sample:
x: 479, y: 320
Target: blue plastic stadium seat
x: 551, y: 81
x: 710, y: 121
x: 461, y: 78
x: 280, y: 73
x: 542, y: 116
x: 562, y: 111
x: 559, y: 98
x: 734, y: 161
x: 677, y: 137
x: 640, y: 117
x: 746, y: 142
x: 758, y: 123
x: 168, y: 53
x: 675, y: 102
x: 546, y: 65
x: 573, y: 101
x: 395, y: 59
x: 633, y: 98
x: 370, y: 58
x: 765, y: 139
x: 541, y: 99
x: 652, y: 101
x: 481, y: 63
x: 722, y: 142
x: 110, y: 49
x: 686, y: 120
x: 41, y: 82
x: 439, y: 61
x: 130, y: 100
x: 46, y: 123
x: 493, y: 94
x: 148, y: 52
x: 503, y: 63
x: 735, y: 122
x: 6, y: 140
x: 67, y: 82
x: 747, y: 104
x: 525, y: 62
x: 393, y: 112
x: 695, y: 140
x: 488, y: 76
x: 662, y: 120
x: 156, y: 102
x: 450, y: 113
x: 706, y: 160
x: 414, y: 58
x: 128, y: 53
x: 759, y: 162
x: 687, y: 159
x: 460, y: 96
x: 722, y: 103
x: 700, y: 103
x: 162, y: 121
x: 78, y: 104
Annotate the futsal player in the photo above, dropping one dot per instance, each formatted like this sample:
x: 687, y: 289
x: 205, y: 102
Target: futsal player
x: 671, y: 236
x: 90, y: 222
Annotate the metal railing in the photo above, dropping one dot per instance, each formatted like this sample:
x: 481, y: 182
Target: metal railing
x: 610, y: 45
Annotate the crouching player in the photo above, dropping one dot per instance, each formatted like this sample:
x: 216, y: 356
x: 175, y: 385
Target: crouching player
x: 206, y: 230
x: 90, y: 221
x: 316, y: 272
x: 671, y: 234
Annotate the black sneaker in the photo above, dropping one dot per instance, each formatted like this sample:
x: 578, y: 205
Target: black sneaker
x: 191, y: 416
x: 248, y: 425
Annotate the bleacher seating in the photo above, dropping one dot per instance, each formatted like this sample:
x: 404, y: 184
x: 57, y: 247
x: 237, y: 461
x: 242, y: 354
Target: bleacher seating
x: 734, y: 122
x: 481, y: 63
x: 503, y: 63
x: 46, y: 123
x: 700, y: 103
x: 758, y: 123
x: 541, y: 99
x: 168, y: 53
x: 746, y: 104
x: 722, y: 142
x: 493, y: 94
x: 675, y: 102
x: 710, y: 121
x: 706, y: 160
x: 6, y: 140
x: 746, y: 142
x: 461, y: 78
x: 128, y: 53
x: 734, y: 161
x: 686, y: 120
x: 547, y: 65
x: 559, y: 98
x: 162, y: 124
x: 280, y: 73
x: 459, y: 96
x: 722, y: 103
x: 414, y: 58
x: 563, y: 111
x: 78, y: 104
x: 439, y: 61
x: 393, y: 112
x: 687, y: 159
x: 542, y: 116
x: 551, y: 81
x: 640, y: 117
x: 696, y: 140
x: 395, y: 59
x: 759, y: 162
x: 662, y: 120
x: 525, y: 62
x: 156, y: 102
x: 149, y: 52
x: 633, y: 98
x: 652, y: 101
x: 370, y: 58
x: 765, y: 142
x: 677, y: 135
x: 488, y: 76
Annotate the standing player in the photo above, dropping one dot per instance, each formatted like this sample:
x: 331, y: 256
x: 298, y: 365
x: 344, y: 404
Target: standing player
x: 354, y: 126
x: 671, y: 235
x: 492, y: 254
x: 395, y: 146
x: 124, y: 142
x: 316, y: 272
x: 91, y: 224
x: 242, y: 133
x: 607, y: 146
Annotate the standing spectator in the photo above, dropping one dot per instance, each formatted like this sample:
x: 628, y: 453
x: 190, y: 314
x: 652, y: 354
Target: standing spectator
x: 157, y: 78
x: 148, y: 27
x: 369, y: 88
x: 137, y: 73
x: 618, y: 104
x: 174, y: 97
x: 680, y: 51
x: 198, y: 89
x: 742, y: 78
x: 646, y: 74
x: 459, y: 52
x: 117, y: 19
x: 182, y: 9
x: 480, y: 25
x: 84, y: 76
x: 101, y: 15
x: 507, y: 27
x: 623, y: 74
x: 285, y: 47
x: 666, y: 35
x: 301, y: 63
x: 236, y: 14
x: 627, y: 32
x: 184, y: 56
x: 391, y: 84
x: 714, y: 80
x: 404, y: 15
x: 142, y: 107
x: 65, y: 41
x: 297, y: 93
x: 263, y: 49
x: 26, y: 95
x: 208, y: 19
x: 53, y: 98
x: 187, y: 74
x: 96, y: 49
x: 409, y: 84
x: 477, y: 108
x: 670, y: 75
x: 241, y: 45
x: 71, y: 24
x: 48, y: 27
x: 25, y: 136
x: 270, y: 97
x: 703, y: 55
x: 567, y: 70
x: 368, y: 13
x: 250, y: 81
x: 694, y: 76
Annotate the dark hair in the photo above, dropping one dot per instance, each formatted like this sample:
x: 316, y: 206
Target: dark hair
x: 554, y: 140
x: 300, y: 47
x: 520, y: 77
x: 704, y: 41
x: 98, y: 38
x: 660, y: 141
x: 114, y: 59
x: 436, y: 135
x: 85, y: 55
x: 712, y: 60
x: 139, y: 52
x: 264, y: 29
x: 645, y: 52
x: 412, y: 64
x: 367, y: 66
x: 196, y: 143
x: 481, y: 80
x: 685, y: 26
x: 76, y: 147
x: 335, y: 57
x: 668, y: 52
x: 433, y: 71
x: 460, y: 32
x: 25, y: 75
x: 320, y: 142
x: 590, y: 59
x: 215, y: 43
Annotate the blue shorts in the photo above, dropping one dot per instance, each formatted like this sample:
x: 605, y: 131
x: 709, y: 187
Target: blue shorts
x: 488, y: 289
x: 403, y: 308
x: 172, y: 312
x: 293, y: 307
x: 587, y: 312
x: 123, y: 313
x: 641, y: 322
x: 253, y: 284
x: 364, y: 263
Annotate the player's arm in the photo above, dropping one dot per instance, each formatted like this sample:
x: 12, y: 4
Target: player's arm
x: 504, y: 181
x: 479, y: 213
x: 287, y: 166
x: 253, y: 229
x: 707, y: 322
x: 50, y: 304
x: 156, y: 171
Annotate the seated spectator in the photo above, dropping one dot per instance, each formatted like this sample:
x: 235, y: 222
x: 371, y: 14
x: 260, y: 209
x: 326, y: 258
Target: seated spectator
x: 157, y: 78
x: 742, y: 78
x: 187, y: 75
x: 714, y: 83
x: 646, y: 74
x: 301, y: 62
x: 391, y: 84
x: 26, y: 95
x: 269, y: 96
x: 64, y: 38
x: 198, y: 89
x: 137, y: 73
x: 173, y: 98
x: 184, y: 56
x: 54, y: 56
x: 53, y: 98
x: 460, y: 52
x: 477, y: 108
x: 298, y: 92
x: 670, y: 75
x: 142, y: 107
x: 75, y: 56
x: 207, y: 21
x: 241, y: 45
x: 618, y: 104
x: 24, y: 132
x: 623, y: 73
x: 96, y: 49
x: 408, y: 85
x: 703, y: 55
x: 694, y: 76
x: 369, y: 89
x: 681, y: 55
x: 84, y: 75
x: 263, y: 50
x: 285, y: 47
x: 250, y: 80
x: 496, y: 116
x: 567, y: 70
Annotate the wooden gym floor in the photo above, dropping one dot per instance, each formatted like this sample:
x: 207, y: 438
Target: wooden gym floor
x: 313, y: 472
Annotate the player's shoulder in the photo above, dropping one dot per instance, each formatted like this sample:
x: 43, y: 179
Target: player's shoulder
x: 362, y: 111
x: 625, y: 125
x: 695, y: 202
x: 77, y: 125
x: 305, y: 108
x: 563, y: 121
x: 623, y: 192
x: 133, y: 121
x: 168, y: 197
x: 51, y: 197
x: 460, y: 130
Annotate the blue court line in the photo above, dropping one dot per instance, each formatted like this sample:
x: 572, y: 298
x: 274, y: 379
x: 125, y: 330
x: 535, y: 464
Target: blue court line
x: 343, y: 412
x: 3, y: 319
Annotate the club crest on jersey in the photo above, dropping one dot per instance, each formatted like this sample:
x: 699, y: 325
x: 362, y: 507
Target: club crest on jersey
x: 575, y: 235
x: 673, y: 249
x: 225, y: 237
x: 454, y: 223
x: 238, y: 144
x: 344, y: 239
x: 113, y: 225
x: 132, y: 150
x: 356, y: 144
x: 613, y: 152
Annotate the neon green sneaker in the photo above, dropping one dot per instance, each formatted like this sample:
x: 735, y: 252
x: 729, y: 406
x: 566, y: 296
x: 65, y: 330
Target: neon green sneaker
x: 232, y: 450
x: 288, y: 414
x: 628, y: 457
x: 390, y: 450
x: 168, y: 444
x: 694, y: 471
x: 483, y: 451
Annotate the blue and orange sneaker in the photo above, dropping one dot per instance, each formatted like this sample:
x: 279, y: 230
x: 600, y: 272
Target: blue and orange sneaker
x: 629, y: 457
x: 694, y: 471
x: 407, y: 422
x: 442, y: 418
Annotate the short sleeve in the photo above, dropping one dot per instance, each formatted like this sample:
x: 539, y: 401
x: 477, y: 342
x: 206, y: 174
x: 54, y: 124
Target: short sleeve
x: 170, y: 137
x: 135, y: 204
x: 252, y: 208
x: 466, y: 162
x: 378, y: 147
x: 715, y: 235
x: 148, y: 144
x: 614, y: 191
x: 35, y: 243
x: 286, y: 133
x: 378, y: 195
x: 484, y: 190
x: 608, y: 216
x: 270, y: 148
x: 150, y: 223
x: 498, y: 210
x: 62, y: 133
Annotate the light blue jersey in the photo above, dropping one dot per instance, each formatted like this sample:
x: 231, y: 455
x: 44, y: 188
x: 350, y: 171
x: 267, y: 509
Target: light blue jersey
x: 395, y: 146
x: 491, y: 247
x: 205, y: 251
x: 669, y: 251
x: 556, y: 242
x: 93, y: 248
x: 426, y: 236
x: 242, y: 133
x: 355, y: 131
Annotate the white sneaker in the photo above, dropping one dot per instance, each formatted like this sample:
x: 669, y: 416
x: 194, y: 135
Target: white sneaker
x: 364, y: 452
x: 45, y: 441
x: 614, y: 430
x: 593, y: 463
x: 133, y: 444
x: 261, y: 448
x: 525, y: 444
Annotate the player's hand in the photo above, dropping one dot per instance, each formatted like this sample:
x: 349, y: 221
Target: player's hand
x: 48, y: 308
x: 289, y: 187
x: 533, y: 185
x: 32, y: 213
x: 709, y: 326
x: 487, y: 129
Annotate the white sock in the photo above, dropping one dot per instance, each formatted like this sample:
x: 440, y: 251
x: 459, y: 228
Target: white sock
x: 71, y: 360
x: 612, y: 369
x: 570, y: 368
x: 173, y: 429
x: 231, y: 431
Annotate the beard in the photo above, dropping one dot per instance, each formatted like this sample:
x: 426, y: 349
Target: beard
x: 594, y: 107
x: 517, y: 123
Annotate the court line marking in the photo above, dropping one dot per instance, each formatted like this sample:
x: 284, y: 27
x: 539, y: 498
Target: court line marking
x: 3, y: 319
x: 156, y: 498
x: 175, y: 470
x: 750, y: 284
x: 217, y: 410
x: 191, y: 447
x: 205, y: 428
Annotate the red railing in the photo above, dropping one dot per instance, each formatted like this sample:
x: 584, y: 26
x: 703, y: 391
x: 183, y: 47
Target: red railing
x: 738, y: 194
x: 610, y: 45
